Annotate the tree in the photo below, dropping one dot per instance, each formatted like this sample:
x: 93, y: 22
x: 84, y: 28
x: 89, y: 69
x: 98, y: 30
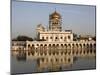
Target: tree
x: 22, y: 38
x: 75, y: 36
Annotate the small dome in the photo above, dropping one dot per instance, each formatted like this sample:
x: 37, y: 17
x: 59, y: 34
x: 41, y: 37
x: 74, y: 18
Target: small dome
x: 55, y: 15
x: 40, y: 26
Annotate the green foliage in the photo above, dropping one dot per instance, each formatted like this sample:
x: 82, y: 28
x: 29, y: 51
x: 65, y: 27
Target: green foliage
x: 23, y: 38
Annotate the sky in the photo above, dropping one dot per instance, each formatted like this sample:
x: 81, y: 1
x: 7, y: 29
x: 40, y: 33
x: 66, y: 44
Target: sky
x: 25, y: 16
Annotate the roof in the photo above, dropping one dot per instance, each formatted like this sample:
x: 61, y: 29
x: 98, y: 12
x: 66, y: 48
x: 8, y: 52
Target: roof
x: 40, y: 26
x: 55, y: 14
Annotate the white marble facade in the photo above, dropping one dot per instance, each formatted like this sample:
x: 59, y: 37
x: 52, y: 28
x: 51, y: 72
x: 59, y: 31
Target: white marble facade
x: 54, y: 32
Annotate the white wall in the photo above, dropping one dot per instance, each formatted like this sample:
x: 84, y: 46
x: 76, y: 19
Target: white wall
x: 58, y: 35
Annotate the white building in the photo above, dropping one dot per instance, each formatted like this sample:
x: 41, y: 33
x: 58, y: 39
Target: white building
x: 18, y: 45
x: 55, y: 32
x: 54, y: 36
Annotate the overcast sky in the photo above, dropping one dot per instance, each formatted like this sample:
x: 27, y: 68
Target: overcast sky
x: 27, y: 15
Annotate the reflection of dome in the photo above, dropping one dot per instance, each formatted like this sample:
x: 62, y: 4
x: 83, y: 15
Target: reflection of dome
x: 55, y: 15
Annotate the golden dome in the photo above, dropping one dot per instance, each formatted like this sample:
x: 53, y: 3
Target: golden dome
x: 55, y: 15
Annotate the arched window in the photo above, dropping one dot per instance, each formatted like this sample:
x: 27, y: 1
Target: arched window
x: 43, y: 38
x: 61, y: 44
x: 65, y: 39
x: 56, y: 38
x: 87, y: 45
x: 47, y: 38
x: 73, y: 45
x: 69, y: 60
x: 69, y: 45
x: 50, y: 37
x: 49, y: 53
x: 57, y: 45
x: 53, y: 45
x: 68, y: 37
x: 49, y: 44
x: 42, y: 59
x: 32, y: 45
x: 56, y: 60
x: 61, y: 37
x: 37, y: 44
x: 90, y: 45
x: 41, y: 45
x: 65, y: 44
x: 94, y: 45
x: 76, y: 45
x: 45, y: 45
x: 83, y: 44
x: 28, y: 45
x: 80, y: 45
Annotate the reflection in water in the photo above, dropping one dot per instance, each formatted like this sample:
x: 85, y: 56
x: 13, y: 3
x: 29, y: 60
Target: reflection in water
x: 52, y: 65
x: 21, y: 56
x: 54, y: 60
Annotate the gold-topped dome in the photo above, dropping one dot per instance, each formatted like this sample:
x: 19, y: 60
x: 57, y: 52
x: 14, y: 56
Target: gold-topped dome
x: 55, y: 15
